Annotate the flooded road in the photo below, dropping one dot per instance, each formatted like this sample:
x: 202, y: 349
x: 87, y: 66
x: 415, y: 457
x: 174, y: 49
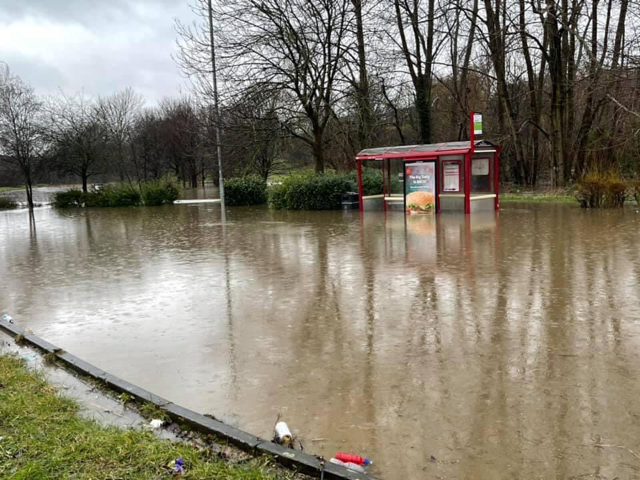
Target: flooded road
x: 503, y: 346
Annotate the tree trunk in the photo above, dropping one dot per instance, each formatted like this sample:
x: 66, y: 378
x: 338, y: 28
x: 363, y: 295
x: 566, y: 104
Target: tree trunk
x: 396, y: 116
x: 365, y: 124
x: 318, y: 150
x: 530, y: 167
x: 497, y: 50
x: 85, y: 181
x: 423, y: 108
x: 591, y: 106
x: 557, y: 103
x: 28, y: 185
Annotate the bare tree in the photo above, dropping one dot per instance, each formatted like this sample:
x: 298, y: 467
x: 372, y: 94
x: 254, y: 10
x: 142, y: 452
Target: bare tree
x: 150, y: 144
x: 362, y: 88
x: 79, y: 136
x: 22, y: 139
x: 290, y: 49
x: 415, y: 21
x: 117, y: 115
x: 254, y: 136
x: 184, y: 136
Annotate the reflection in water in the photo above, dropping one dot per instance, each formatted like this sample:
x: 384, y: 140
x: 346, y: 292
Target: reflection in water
x: 502, y: 345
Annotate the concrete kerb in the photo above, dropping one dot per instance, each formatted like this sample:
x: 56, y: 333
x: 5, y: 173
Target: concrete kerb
x: 293, y: 459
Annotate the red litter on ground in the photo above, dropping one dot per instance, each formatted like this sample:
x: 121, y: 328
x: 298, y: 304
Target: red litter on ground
x: 351, y: 458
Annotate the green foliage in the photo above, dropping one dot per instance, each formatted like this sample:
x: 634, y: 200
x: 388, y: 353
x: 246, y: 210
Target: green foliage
x: 601, y: 189
x: 49, y: 358
x: 68, y: 199
x: 311, y: 191
x: 250, y: 190
x: 150, y: 411
x: 371, y: 181
x: 118, y: 195
x: 322, y: 191
x: 160, y: 192
x: 151, y: 193
x: 7, y: 203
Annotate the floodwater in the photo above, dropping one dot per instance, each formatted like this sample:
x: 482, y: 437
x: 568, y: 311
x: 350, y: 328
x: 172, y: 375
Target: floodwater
x: 489, y: 347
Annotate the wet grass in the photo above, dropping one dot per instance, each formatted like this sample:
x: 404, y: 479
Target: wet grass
x: 10, y: 189
x: 43, y: 437
x: 534, y: 197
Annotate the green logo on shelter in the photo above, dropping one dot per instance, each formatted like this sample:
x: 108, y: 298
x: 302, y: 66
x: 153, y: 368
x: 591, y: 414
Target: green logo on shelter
x: 477, y: 124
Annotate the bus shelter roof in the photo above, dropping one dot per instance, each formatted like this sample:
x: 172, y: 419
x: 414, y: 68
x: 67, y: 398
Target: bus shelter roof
x: 409, y: 152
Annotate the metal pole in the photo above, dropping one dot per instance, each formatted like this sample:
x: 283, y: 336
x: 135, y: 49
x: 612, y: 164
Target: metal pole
x: 215, y: 103
x: 467, y: 165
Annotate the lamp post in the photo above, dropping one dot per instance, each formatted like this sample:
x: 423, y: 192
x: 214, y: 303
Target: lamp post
x: 215, y: 104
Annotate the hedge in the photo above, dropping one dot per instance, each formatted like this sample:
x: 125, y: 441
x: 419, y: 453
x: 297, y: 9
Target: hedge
x: 151, y: 193
x: 317, y: 191
x: 250, y: 190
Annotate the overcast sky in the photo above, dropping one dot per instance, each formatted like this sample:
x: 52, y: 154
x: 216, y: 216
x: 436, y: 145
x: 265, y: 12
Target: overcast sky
x: 97, y: 45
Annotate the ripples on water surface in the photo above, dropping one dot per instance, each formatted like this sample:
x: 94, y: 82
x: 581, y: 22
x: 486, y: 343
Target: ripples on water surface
x: 503, y: 346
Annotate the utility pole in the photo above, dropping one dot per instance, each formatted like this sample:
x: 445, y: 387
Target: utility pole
x: 215, y: 104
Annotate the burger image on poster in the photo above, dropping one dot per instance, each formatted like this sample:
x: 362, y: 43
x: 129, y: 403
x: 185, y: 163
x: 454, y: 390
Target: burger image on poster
x: 420, y: 202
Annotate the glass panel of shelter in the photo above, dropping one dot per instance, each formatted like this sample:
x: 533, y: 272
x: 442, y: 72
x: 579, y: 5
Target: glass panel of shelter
x: 482, y: 173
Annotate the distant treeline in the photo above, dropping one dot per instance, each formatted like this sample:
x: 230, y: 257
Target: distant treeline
x: 306, y: 83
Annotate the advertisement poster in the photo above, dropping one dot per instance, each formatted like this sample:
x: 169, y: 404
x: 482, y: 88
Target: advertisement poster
x: 420, y: 187
x: 451, y: 174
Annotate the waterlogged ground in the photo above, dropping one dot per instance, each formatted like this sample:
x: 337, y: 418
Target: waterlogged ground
x: 504, y: 347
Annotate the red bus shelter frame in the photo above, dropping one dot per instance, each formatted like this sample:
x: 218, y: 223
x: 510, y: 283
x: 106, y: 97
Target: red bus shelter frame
x: 411, y: 156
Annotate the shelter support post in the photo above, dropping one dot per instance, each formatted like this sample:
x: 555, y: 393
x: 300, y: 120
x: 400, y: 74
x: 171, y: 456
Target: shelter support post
x: 467, y: 165
x: 496, y: 178
x: 467, y: 183
x: 360, y: 200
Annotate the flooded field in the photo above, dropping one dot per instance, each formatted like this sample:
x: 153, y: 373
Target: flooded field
x: 486, y: 347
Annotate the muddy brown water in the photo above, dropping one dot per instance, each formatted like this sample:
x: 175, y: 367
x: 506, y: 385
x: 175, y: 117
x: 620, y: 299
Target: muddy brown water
x: 504, y: 346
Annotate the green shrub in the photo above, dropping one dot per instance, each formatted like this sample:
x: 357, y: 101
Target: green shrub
x: 118, y: 195
x: 371, y: 181
x: 250, y: 190
x: 69, y: 198
x: 316, y: 191
x: 96, y: 199
x: 598, y: 189
x: 160, y: 192
x: 7, y: 203
x: 151, y: 193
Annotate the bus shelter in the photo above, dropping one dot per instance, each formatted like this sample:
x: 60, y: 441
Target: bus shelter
x: 440, y: 177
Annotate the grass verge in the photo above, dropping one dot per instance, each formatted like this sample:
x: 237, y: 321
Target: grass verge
x: 547, y: 197
x: 43, y: 437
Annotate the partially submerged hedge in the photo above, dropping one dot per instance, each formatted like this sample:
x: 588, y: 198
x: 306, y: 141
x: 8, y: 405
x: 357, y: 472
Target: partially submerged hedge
x: 601, y: 190
x: 159, y: 192
x: 311, y: 191
x: 250, y: 190
x: 371, y: 181
x: 151, y: 193
x: 322, y: 191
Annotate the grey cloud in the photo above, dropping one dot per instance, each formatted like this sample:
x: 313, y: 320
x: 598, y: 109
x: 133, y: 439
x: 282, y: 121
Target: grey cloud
x: 95, y: 46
